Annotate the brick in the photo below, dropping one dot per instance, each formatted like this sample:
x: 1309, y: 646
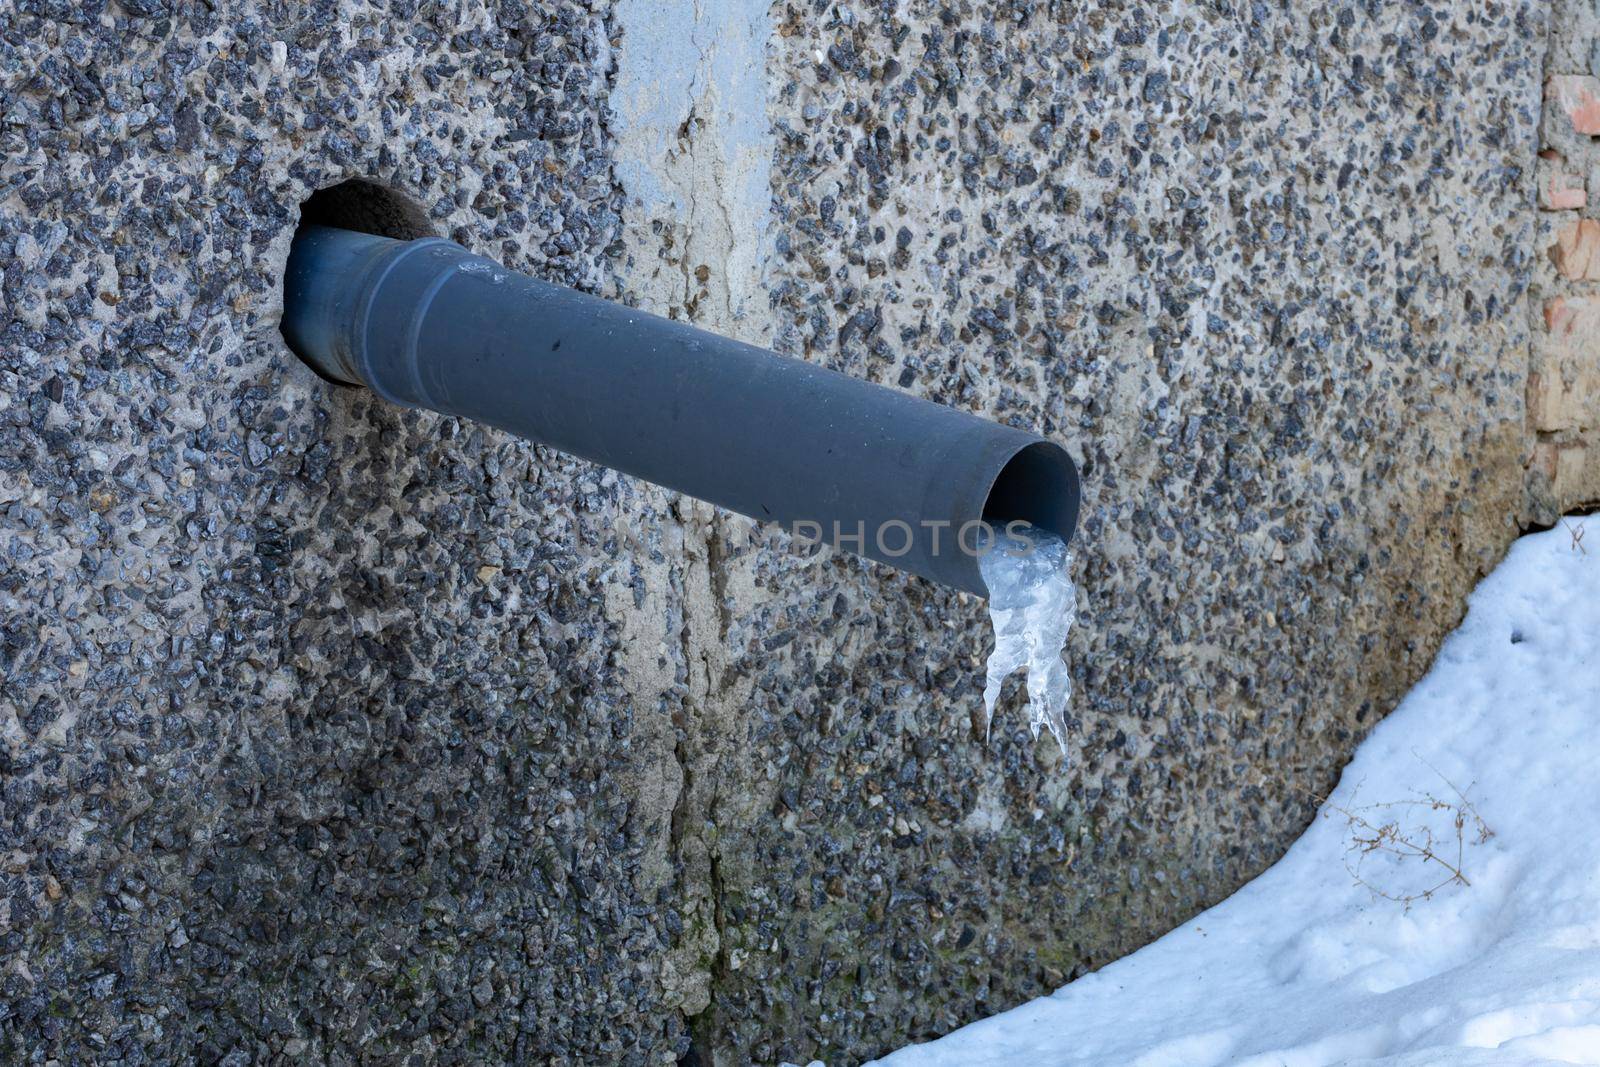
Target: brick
x: 1576, y: 252
x: 1564, y: 393
x: 1552, y: 404
x: 1559, y: 188
x: 1577, y: 473
x: 1578, y: 97
x: 1543, y: 460
x: 1572, y: 469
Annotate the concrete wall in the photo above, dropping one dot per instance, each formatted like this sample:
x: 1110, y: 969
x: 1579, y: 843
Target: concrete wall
x: 339, y: 733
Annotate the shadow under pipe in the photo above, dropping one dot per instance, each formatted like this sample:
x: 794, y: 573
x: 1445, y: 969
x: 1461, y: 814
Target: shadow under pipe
x: 425, y: 323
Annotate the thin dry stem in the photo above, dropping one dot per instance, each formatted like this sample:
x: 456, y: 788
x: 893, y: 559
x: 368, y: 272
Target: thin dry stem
x: 1392, y: 828
x: 1577, y: 536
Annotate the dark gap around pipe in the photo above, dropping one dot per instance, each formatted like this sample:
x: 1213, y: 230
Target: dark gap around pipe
x: 367, y: 207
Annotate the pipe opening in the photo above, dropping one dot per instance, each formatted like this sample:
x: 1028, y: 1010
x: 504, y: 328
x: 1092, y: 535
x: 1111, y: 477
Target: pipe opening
x: 367, y: 207
x: 1038, y: 485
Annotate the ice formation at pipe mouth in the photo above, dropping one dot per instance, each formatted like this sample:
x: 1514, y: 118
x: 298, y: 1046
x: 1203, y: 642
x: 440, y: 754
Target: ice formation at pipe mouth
x: 1032, y: 604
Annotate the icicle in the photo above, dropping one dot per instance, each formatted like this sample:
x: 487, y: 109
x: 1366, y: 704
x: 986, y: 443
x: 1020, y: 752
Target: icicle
x: 1032, y: 604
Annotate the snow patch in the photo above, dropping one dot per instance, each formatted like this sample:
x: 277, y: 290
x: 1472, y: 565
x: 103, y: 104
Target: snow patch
x: 1308, y: 967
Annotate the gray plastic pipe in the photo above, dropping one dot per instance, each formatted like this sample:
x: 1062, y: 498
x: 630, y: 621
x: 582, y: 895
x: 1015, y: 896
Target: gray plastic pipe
x: 868, y: 469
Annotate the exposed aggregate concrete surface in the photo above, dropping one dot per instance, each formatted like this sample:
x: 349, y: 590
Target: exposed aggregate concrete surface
x: 331, y: 732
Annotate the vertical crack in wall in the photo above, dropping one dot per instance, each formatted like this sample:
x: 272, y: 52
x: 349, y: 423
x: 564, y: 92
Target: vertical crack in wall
x: 693, y: 155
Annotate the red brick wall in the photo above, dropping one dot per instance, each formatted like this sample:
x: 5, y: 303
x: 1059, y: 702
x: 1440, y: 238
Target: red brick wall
x: 1564, y: 375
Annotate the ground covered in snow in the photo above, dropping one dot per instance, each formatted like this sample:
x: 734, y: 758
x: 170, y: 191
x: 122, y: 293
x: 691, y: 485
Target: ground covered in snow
x: 1443, y: 909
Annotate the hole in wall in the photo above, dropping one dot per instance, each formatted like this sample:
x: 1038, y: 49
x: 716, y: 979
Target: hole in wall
x: 356, y: 204
x: 367, y: 207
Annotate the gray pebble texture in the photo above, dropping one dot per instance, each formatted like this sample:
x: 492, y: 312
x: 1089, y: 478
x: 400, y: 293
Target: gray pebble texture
x: 336, y: 733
